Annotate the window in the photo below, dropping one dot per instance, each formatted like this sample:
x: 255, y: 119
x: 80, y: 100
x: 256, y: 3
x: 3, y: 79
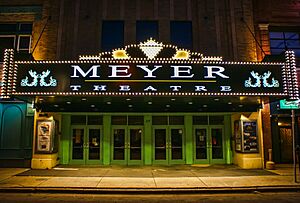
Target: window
x: 176, y: 120
x: 78, y: 120
x: 145, y: 30
x: 181, y: 34
x: 216, y: 120
x: 282, y: 39
x: 200, y: 120
x: 119, y: 120
x: 95, y: 120
x: 160, y: 120
x: 15, y: 36
x: 112, y: 35
x: 135, y: 120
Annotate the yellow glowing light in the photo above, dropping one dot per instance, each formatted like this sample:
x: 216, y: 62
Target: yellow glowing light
x: 181, y: 54
x: 120, y: 54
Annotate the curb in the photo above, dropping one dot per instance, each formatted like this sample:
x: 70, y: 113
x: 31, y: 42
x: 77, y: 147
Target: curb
x: 202, y: 190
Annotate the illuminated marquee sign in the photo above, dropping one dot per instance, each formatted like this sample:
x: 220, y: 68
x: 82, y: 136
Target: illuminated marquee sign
x: 149, y: 68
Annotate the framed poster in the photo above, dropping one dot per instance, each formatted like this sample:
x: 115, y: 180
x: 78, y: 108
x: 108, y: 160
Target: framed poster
x: 45, y: 135
x: 245, y: 134
x: 249, y: 132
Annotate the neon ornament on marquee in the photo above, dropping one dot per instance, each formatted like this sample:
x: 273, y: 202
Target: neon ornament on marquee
x: 42, y: 82
x: 264, y: 78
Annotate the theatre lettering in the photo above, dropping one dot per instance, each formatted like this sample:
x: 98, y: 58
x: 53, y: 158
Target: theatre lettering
x: 125, y: 75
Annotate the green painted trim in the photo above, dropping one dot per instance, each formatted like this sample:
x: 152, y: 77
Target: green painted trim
x: 188, y: 121
x: 106, y: 139
x: 147, y: 139
x: 64, y: 152
x: 228, y: 141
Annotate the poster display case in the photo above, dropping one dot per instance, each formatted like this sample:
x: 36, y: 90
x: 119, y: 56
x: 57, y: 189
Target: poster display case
x: 246, y: 138
x: 45, y: 136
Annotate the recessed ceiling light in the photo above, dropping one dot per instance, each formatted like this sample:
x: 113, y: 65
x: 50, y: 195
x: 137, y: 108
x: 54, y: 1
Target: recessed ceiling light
x: 229, y: 102
x: 41, y: 99
x: 55, y: 105
x: 108, y: 102
x: 216, y: 99
x: 92, y: 105
x: 68, y: 102
x: 204, y: 105
x: 241, y: 105
x: 190, y: 102
x: 173, y: 99
x: 128, y: 99
x: 149, y: 102
x: 168, y: 105
x: 130, y: 105
x: 83, y: 99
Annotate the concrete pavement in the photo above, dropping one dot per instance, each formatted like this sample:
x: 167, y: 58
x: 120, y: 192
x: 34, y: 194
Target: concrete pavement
x: 218, y: 178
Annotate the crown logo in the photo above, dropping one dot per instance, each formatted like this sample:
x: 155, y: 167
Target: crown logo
x: 151, y: 48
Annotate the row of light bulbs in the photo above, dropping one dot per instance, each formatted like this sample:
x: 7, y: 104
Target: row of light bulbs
x: 151, y: 93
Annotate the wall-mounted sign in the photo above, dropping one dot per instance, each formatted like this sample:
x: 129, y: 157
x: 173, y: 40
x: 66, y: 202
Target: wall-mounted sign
x: 284, y: 104
x: 149, y: 68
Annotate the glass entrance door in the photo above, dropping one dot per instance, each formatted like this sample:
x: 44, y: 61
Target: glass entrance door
x: 127, y: 145
x: 86, y: 145
x: 208, y: 144
x: 168, y: 145
x: 201, y: 144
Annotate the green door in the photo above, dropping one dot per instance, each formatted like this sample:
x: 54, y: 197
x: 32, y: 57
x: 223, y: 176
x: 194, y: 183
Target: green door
x: 168, y: 145
x: 127, y: 145
x: 208, y: 144
x: 86, y: 145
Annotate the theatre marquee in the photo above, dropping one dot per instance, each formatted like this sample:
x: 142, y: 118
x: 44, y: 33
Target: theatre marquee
x: 149, y: 68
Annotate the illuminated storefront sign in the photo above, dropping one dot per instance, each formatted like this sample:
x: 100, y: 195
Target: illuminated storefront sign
x: 284, y: 104
x: 149, y: 68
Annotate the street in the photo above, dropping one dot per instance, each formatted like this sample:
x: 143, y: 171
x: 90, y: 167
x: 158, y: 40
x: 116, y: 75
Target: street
x: 132, y: 198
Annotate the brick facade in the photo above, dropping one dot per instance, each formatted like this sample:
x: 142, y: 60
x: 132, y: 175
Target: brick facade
x: 234, y: 29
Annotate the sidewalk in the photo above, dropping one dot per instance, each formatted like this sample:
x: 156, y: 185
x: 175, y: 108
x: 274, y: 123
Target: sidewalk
x: 182, y: 178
